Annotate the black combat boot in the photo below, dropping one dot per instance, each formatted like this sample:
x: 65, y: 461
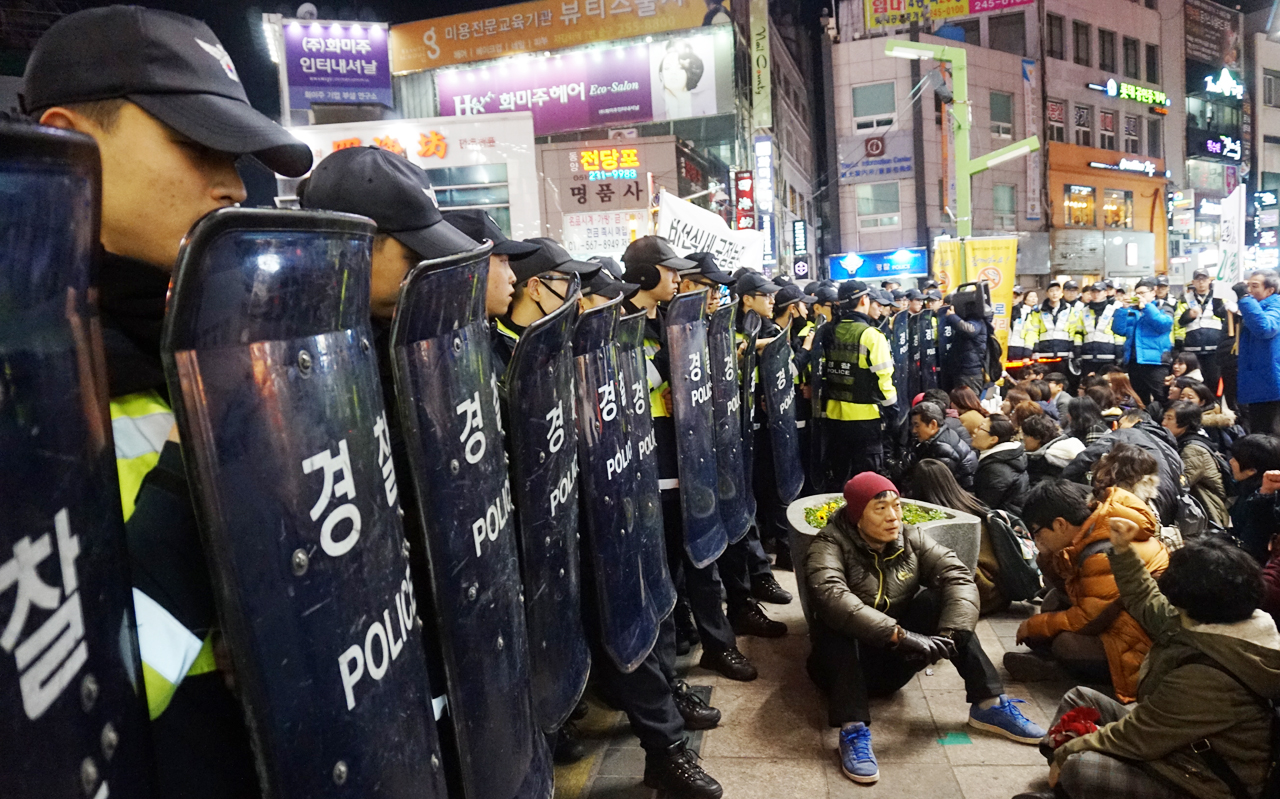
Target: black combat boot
x: 750, y: 620
x: 729, y: 662
x: 695, y: 711
x: 676, y: 771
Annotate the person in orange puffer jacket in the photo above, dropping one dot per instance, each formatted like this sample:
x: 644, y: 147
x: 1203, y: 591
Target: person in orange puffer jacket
x: 1073, y: 537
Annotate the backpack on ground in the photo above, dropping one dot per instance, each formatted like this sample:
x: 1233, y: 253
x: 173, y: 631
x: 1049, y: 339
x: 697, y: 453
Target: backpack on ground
x: 1190, y: 517
x: 1018, y: 577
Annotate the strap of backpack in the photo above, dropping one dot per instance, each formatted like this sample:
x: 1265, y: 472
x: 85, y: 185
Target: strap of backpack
x: 1216, y: 762
x: 1101, y: 545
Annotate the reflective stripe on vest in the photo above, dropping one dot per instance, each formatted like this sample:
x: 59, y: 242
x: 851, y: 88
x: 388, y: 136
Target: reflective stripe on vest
x: 140, y: 424
x: 1206, y: 320
x: 657, y: 406
x: 1099, y: 332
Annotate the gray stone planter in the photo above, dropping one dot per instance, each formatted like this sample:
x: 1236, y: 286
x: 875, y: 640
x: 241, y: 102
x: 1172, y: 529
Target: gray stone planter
x: 959, y: 532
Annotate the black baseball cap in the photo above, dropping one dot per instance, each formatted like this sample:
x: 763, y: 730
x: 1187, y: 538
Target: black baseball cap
x: 1162, y: 280
x: 1071, y: 285
x: 551, y: 257
x: 389, y: 190
x: 1018, y: 289
x: 705, y: 266
x: 1146, y: 282
x: 914, y: 294
x: 1200, y: 272
x: 754, y: 283
x: 1053, y: 283
x: 898, y: 295
x: 933, y: 294
x: 882, y: 296
x: 826, y: 295
x: 171, y: 66
x: 608, y: 266
x: 1109, y: 283
x: 852, y: 290
x: 478, y: 225
x: 654, y: 251
x: 1098, y: 286
x: 789, y: 294
x: 604, y: 284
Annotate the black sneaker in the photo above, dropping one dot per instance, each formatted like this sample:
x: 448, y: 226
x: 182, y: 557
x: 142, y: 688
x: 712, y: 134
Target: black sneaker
x: 695, y: 711
x: 676, y: 771
x: 766, y: 589
x: 750, y: 620
x: 729, y: 662
x: 567, y: 748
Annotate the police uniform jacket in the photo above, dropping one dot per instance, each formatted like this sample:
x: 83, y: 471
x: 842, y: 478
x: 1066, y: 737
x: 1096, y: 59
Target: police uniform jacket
x: 861, y: 593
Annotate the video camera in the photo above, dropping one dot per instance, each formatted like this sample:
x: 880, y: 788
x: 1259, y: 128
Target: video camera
x: 972, y: 300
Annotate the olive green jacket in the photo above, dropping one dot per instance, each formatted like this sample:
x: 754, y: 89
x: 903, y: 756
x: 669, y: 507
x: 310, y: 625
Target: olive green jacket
x: 1181, y: 703
x: 859, y: 592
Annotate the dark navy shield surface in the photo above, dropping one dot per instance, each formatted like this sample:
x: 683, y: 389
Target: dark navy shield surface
x: 267, y: 350
x: 543, y: 442
x: 448, y: 398
x: 749, y: 376
x: 73, y: 720
x: 727, y: 410
x: 691, y: 401
x: 610, y: 470
x: 817, y: 449
x: 780, y: 398
x: 660, y: 593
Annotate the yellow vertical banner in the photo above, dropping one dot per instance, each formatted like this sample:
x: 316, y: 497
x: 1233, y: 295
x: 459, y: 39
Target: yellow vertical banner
x: 995, y: 260
x: 946, y: 265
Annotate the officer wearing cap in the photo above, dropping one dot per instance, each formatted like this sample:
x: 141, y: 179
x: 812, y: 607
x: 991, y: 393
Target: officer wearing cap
x: 606, y: 285
x: 824, y: 300
x: 1147, y: 342
x: 1163, y: 301
x: 931, y: 339
x: 857, y: 391
x: 478, y: 225
x: 708, y: 275
x: 1199, y: 325
x: 1049, y: 325
x: 1092, y: 339
x: 1022, y: 339
x: 1071, y: 294
x: 543, y: 279
x: 163, y: 101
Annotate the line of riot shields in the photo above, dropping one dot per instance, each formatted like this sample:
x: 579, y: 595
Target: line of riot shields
x: 390, y: 635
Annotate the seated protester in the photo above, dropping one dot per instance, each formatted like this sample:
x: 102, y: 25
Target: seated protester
x: 1251, y: 519
x: 965, y: 402
x: 1199, y: 466
x: 1012, y: 398
x: 1187, y: 365
x: 1058, y: 392
x: 1271, y: 572
x: 1093, y: 637
x: 1001, y: 480
x: 1049, y: 450
x: 1218, y: 420
x: 1136, y: 428
x: 1024, y: 411
x: 1084, y: 420
x: 1106, y: 401
x: 874, y: 628
x: 935, y: 483
x: 1123, y: 391
x: 1136, y: 471
x: 934, y: 439
x: 1042, y: 395
x: 943, y: 400
x: 1201, y: 712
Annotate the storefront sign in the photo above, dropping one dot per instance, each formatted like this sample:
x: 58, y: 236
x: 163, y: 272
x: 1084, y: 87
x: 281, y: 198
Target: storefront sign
x: 1182, y: 199
x: 881, y: 264
x: 608, y: 163
x: 535, y: 26
x: 583, y: 177
x: 1268, y: 219
x: 761, y: 76
x: 691, y: 76
x: 1031, y: 121
x: 1210, y: 208
x: 601, y: 233
x: 693, y: 229
x: 1231, y: 240
x: 1213, y: 34
x: 336, y: 62
x: 744, y: 200
x: 1224, y: 84
x: 1265, y: 199
x: 1130, y: 91
x: 895, y: 13
x: 893, y: 159
x: 1129, y: 165
x: 799, y: 238
x: 1223, y: 146
x: 764, y: 173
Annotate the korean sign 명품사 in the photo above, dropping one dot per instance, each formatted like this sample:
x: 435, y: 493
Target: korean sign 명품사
x: 336, y: 63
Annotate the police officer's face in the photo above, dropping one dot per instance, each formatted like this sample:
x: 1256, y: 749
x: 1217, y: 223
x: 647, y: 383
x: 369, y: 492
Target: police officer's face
x: 760, y: 303
x: 155, y: 182
x: 915, y: 306
x: 1202, y: 284
x: 391, y: 262
x: 881, y: 520
x: 592, y: 301
x: 668, y: 284
x: 546, y: 293
x: 1055, y: 293
x: 1071, y: 294
x: 874, y: 311
x: 501, y: 285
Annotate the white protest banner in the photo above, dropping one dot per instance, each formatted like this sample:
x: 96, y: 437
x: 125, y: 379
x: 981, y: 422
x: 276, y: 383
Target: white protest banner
x: 693, y: 229
x: 1231, y: 243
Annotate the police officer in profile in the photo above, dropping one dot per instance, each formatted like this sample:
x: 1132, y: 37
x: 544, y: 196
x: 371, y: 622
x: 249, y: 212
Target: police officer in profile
x: 857, y: 386
x: 479, y: 226
x: 606, y: 285
x: 824, y: 300
x: 542, y: 285
x: 145, y: 85
x: 706, y: 275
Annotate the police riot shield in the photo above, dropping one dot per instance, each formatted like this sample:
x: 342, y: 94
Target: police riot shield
x: 72, y: 715
x: 900, y: 344
x: 543, y: 443
x: 691, y: 392
x: 780, y: 399
x: 748, y: 376
x: 817, y: 451
x: 449, y: 405
x: 275, y: 388
x: 659, y: 591
x: 726, y: 397
x: 929, y: 349
x: 610, y: 474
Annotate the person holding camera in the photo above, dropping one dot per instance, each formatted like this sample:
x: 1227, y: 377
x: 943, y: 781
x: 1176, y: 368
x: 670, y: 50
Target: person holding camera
x: 968, y: 324
x: 1145, y: 329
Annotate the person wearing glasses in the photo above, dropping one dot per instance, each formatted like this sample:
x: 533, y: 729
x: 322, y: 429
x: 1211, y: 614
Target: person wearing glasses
x: 1147, y: 343
x: 542, y: 284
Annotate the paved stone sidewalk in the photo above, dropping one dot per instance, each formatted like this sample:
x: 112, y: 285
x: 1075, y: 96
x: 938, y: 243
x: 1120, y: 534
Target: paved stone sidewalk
x: 773, y: 741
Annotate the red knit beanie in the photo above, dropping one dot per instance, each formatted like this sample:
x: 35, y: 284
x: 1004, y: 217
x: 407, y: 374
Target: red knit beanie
x: 859, y: 491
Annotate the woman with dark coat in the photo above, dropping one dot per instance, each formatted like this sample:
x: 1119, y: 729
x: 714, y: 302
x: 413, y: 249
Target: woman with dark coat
x: 1001, y: 480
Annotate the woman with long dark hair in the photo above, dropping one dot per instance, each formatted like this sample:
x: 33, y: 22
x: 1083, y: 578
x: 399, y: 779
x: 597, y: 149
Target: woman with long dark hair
x: 1084, y: 420
x: 933, y: 482
x: 1122, y: 388
x: 965, y: 401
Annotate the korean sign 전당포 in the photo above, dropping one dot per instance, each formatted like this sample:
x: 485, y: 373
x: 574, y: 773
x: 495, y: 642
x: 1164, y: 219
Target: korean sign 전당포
x: 336, y: 63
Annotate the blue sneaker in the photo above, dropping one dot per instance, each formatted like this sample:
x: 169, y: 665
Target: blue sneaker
x: 857, y: 761
x: 1004, y: 718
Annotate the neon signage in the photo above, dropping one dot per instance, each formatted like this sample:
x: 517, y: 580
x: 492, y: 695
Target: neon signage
x: 1225, y: 84
x: 1225, y: 146
x: 1129, y: 91
x: 1128, y: 165
x: 609, y: 164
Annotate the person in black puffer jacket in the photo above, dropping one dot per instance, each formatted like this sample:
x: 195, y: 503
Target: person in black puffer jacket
x: 1137, y: 428
x: 935, y: 440
x: 1001, y: 480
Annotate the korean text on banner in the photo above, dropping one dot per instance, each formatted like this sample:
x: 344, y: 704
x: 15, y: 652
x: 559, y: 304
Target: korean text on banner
x: 995, y: 260
x: 946, y: 264
x: 894, y: 13
x: 1031, y: 107
x: 761, y: 77
x: 337, y: 62
x: 693, y: 229
x: 540, y: 25
x: 1231, y: 244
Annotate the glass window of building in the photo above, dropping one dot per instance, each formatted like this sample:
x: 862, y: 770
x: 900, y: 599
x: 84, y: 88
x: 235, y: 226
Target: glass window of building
x: 1056, y: 110
x: 1117, y: 209
x: 1106, y: 50
x: 1132, y: 135
x: 1005, y: 200
x: 1056, y: 45
x: 1154, y: 139
x: 1132, y: 69
x: 1153, y: 63
x: 1084, y: 125
x: 1107, y: 130
x: 972, y: 31
x: 1270, y: 163
x: 1207, y: 176
x: 1008, y: 33
x: 878, y: 205
x: 1002, y: 115
x: 483, y: 186
x: 873, y: 105
x: 1082, y: 36
x: 1271, y: 88
x: 1078, y: 206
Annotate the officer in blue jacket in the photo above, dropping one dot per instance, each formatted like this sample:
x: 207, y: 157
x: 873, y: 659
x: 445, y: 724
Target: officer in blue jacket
x: 1146, y: 340
x: 1259, y: 364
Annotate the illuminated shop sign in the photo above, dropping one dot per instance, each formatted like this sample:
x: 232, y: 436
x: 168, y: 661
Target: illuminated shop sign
x: 1225, y: 84
x: 1210, y: 208
x: 1265, y: 199
x: 1128, y: 91
x: 799, y: 237
x: 608, y: 163
x: 1129, y: 165
x: 1224, y: 147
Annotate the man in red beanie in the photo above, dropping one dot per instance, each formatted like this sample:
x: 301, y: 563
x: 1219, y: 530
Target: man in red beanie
x: 890, y: 600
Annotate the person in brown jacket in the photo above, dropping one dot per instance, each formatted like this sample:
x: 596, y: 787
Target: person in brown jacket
x: 1073, y: 538
x: 888, y: 601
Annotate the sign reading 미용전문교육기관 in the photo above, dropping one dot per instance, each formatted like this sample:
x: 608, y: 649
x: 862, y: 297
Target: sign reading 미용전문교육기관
x: 336, y: 62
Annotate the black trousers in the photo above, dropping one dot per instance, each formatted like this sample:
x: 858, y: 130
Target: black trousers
x: 1148, y: 381
x: 851, y: 671
x: 852, y: 448
x: 700, y: 586
x: 740, y: 564
x: 771, y: 512
x: 1263, y: 417
x: 1211, y: 368
x: 645, y: 694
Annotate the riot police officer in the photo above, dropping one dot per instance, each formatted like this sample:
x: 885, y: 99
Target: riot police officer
x: 478, y: 225
x: 708, y: 275
x: 98, y: 72
x: 606, y: 285
x: 542, y: 280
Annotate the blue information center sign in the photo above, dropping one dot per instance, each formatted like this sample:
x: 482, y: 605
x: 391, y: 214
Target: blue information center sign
x: 879, y: 265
